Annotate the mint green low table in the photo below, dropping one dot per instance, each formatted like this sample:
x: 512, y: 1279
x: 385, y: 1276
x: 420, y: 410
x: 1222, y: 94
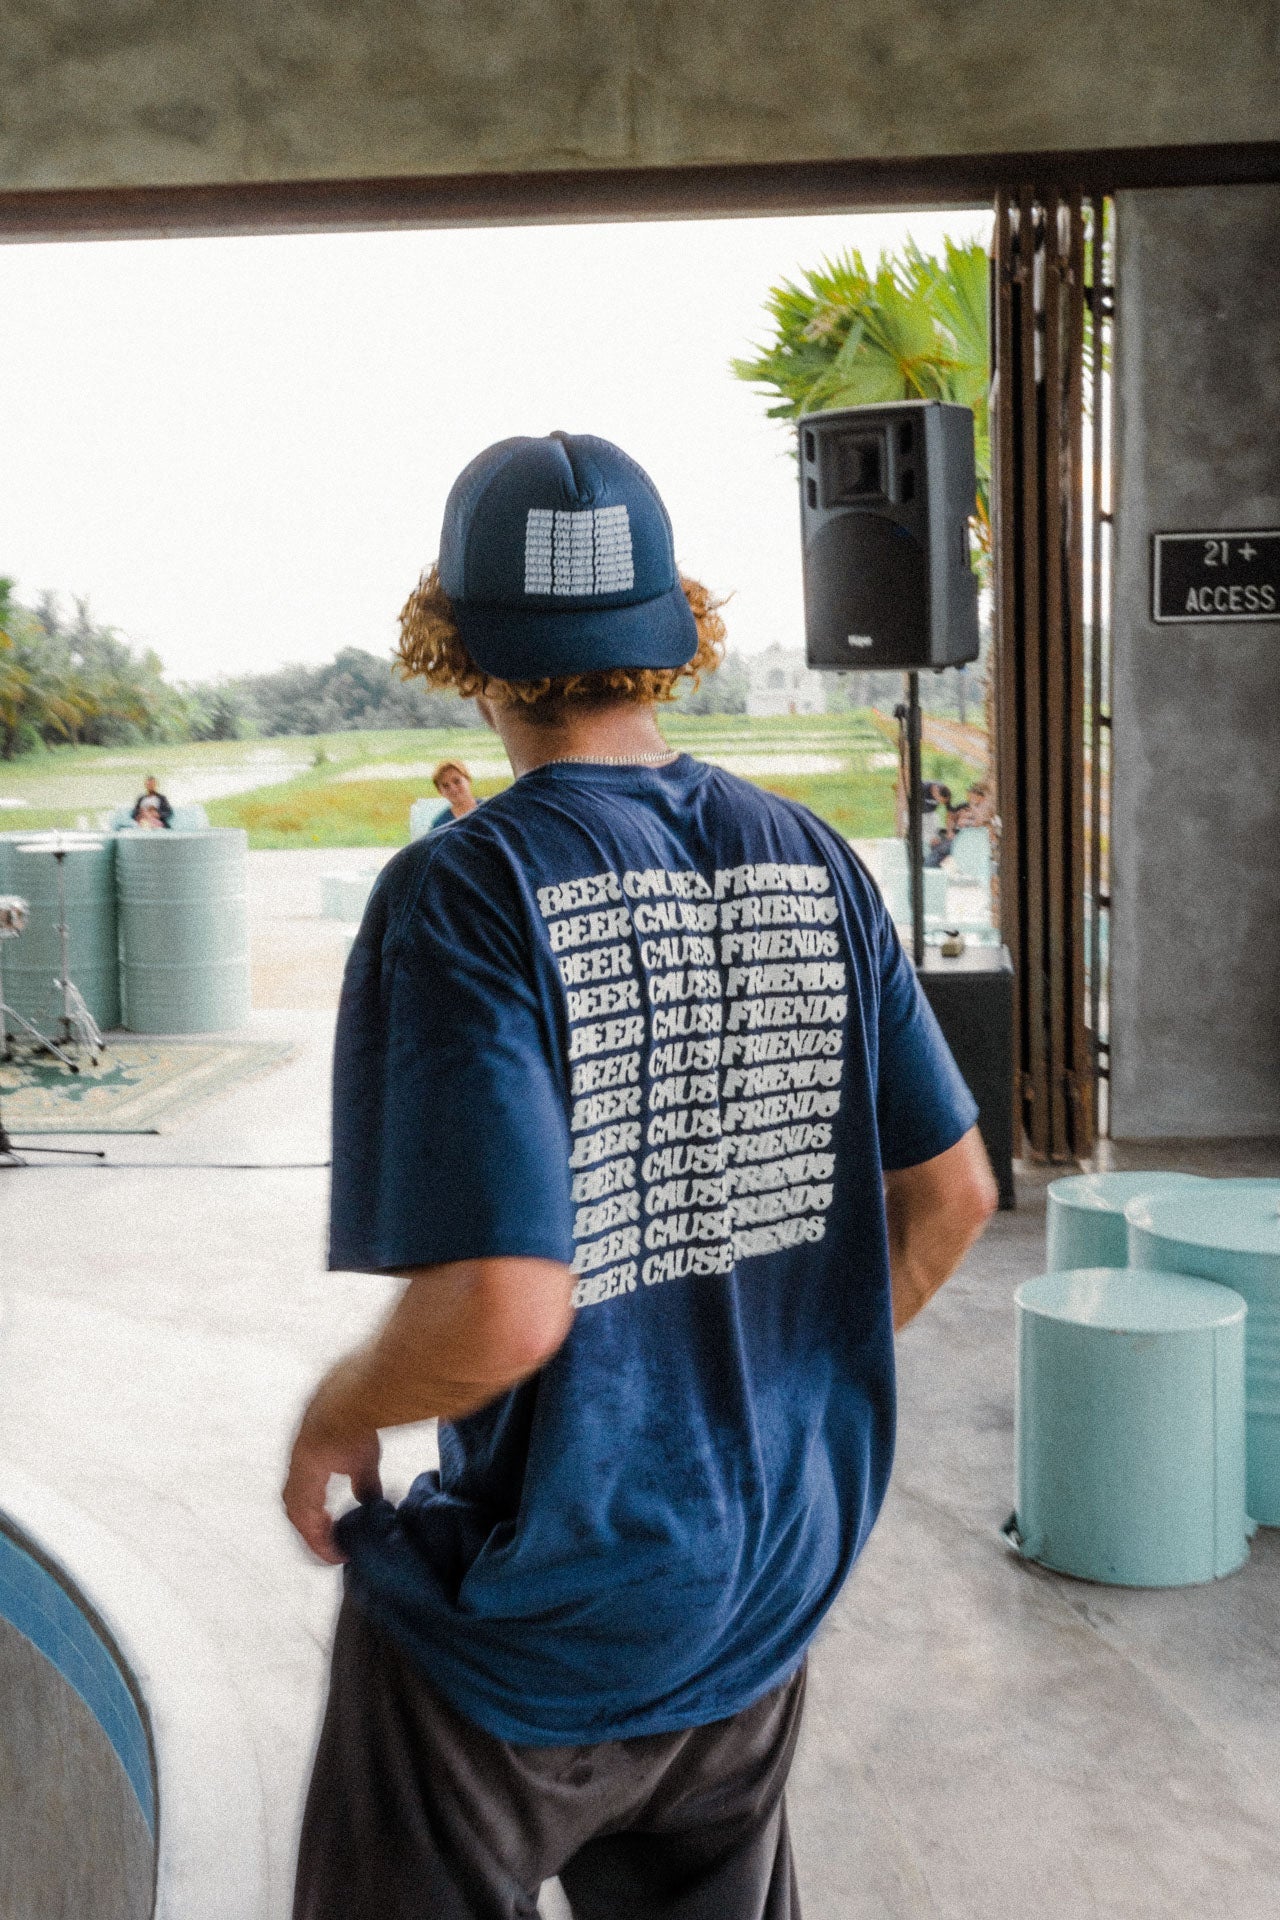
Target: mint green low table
x: 1084, y: 1216
x: 1229, y: 1231
x: 1131, y: 1427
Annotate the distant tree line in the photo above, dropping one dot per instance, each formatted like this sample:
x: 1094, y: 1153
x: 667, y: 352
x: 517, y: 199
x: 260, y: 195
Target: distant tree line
x: 66, y: 679
x: 353, y: 691
x: 69, y: 680
x: 358, y: 690
x: 955, y: 693
x: 722, y: 692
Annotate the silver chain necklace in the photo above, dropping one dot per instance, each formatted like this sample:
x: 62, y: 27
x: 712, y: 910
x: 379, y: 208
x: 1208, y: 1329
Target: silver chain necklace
x: 612, y: 759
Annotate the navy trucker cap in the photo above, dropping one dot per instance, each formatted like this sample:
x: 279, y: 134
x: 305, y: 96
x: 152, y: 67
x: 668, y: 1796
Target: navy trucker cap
x: 556, y: 555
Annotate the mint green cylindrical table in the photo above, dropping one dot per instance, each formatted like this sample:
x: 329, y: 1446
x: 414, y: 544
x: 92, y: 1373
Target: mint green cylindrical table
x: 184, y: 930
x: 1229, y: 1231
x: 1130, y: 1427
x: 1084, y: 1216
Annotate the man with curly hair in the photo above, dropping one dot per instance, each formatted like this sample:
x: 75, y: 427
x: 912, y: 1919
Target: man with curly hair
x: 706, y: 1150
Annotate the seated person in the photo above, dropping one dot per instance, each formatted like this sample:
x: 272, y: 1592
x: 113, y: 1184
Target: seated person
x: 453, y: 783
x: 941, y: 846
x: 936, y: 811
x: 151, y: 808
x: 979, y: 809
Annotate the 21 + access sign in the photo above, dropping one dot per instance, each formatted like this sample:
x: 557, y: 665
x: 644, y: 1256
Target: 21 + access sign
x: 1198, y: 577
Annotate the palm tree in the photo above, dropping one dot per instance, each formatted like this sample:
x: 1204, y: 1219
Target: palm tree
x: 40, y: 699
x: 35, y: 705
x: 914, y: 328
x: 13, y: 695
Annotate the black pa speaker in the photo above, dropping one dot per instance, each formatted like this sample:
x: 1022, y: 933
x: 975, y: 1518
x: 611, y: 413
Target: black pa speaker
x: 886, y: 493
x: 972, y: 995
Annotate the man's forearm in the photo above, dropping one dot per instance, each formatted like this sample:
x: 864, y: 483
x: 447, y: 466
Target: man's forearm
x: 456, y: 1339
x: 383, y: 1384
x: 923, y: 1254
x: 935, y: 1213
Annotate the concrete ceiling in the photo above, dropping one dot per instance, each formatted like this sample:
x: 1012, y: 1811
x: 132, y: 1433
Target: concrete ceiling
x: 157, y: 93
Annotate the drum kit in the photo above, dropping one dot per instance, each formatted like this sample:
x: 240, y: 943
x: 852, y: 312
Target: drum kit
x: 76, y: 1034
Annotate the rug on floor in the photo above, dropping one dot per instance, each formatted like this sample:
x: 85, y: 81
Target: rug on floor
x: 137, y: 1083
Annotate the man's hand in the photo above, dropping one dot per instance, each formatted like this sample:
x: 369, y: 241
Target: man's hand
x: 459, y: 1336
x: 319, y: 1456
x: 936, y: 1211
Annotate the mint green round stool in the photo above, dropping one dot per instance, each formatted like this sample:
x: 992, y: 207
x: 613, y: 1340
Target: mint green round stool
x: 1084, y: 1216
x: 1229, y: 1231
x: 425, y: 814
x: 344, y: 896
x: 1130, y: 1427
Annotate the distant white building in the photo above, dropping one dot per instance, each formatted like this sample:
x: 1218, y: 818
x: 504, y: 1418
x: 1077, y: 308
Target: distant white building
x: 779, y: 682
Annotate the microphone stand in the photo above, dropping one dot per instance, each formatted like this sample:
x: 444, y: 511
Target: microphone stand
x: 10, y: 1157
x: 908, y: 718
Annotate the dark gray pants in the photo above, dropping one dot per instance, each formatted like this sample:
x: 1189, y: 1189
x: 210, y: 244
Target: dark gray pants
x: 414, y: 1813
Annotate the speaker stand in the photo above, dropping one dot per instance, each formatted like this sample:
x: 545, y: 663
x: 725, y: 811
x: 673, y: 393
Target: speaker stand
x: 915, y: 817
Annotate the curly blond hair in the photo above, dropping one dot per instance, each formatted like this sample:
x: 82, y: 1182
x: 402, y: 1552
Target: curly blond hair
x: 431, y: 649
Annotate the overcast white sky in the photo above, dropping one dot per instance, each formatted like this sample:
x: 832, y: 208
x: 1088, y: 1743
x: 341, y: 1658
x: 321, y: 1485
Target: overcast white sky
x: 239, y: 450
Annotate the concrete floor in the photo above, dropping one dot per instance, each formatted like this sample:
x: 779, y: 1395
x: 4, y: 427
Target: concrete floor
x: 983, y: 1739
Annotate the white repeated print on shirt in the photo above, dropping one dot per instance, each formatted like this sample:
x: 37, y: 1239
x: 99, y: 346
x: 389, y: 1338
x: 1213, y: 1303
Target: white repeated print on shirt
x: 706, y: 1041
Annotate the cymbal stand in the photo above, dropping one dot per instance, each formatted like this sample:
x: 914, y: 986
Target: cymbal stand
x: 9, y: 1155
x: 10, y: 1015
x: 76, y: 1026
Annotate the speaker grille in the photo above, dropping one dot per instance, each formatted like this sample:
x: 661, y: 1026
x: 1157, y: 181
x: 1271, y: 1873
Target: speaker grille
x: 866, y: 594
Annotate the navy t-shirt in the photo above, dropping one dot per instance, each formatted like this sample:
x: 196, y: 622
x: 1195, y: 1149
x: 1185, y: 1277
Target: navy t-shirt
x: 656, y: 1024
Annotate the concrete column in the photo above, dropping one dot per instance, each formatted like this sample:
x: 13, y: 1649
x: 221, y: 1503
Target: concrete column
x: 1196, y: 780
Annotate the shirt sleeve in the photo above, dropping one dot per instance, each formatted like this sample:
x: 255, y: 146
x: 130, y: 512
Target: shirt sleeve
x: 922, y: 1104
x: 450, y: 1129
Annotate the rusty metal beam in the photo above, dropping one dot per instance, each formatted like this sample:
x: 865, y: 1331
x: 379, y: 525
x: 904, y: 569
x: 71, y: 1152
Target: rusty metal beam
x: 1079, y: 1075
x: 1006, y: 571
x: 559, y: 195
x: 1099, y: 703
x: 1055, y: 773
x: 1029, y: 360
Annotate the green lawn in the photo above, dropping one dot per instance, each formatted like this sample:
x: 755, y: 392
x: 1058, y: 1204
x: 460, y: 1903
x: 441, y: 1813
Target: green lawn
x: 857, y: 805
x: 313, y: 796
x: 320, y: 813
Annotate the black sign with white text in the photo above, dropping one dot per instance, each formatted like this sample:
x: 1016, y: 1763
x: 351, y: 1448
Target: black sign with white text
x: 1197, y: 577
